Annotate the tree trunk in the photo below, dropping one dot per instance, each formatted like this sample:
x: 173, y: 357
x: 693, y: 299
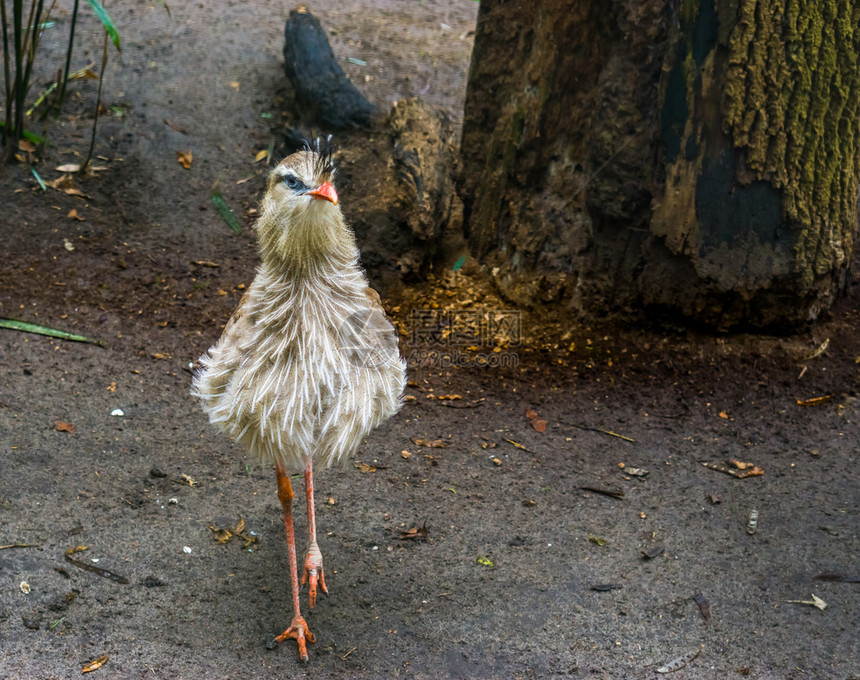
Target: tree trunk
x: 699, y: 156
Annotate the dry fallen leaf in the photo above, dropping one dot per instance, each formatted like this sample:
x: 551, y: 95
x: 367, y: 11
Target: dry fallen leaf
x: 415, y: 533
x: 69, y: 167
x: 537, y: 423
x: 679, y: 663
x: 815, y: 401
x: 221, y: 535
x: 185, y: 158
x: 261, y: 155
x: 61, y: 426
x: 703, y: 604
x: 84, y: 73
x: 26, y: 145
x: 175, y: 126
x: 94, y: 665
x: 749, y: 469
x: 224, y: 535
x: 73, y: 215
x: 815, y: 602
x: 429, y: 443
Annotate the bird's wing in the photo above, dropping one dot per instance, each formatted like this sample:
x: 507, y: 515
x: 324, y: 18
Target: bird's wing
x: 367, y: 336
x: 373, y: 297
x: 238, y: 321
x: 379, y: 321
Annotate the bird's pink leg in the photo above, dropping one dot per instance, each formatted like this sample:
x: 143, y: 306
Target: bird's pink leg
x: 298, y: 629
x: 313, y: 571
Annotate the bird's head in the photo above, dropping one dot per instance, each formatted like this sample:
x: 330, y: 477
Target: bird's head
x: 301, y: 221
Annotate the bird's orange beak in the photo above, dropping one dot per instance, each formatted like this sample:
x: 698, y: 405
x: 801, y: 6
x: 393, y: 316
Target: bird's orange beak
x: 326, y: 191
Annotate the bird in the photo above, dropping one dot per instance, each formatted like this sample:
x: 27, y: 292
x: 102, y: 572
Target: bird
x: 308, y: 364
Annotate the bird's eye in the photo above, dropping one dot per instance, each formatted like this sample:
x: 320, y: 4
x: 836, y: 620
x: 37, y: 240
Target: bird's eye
x: 293, y: 182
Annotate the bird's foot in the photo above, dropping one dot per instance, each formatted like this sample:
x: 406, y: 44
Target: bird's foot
x: 313, y: 574
x: 299, y: 632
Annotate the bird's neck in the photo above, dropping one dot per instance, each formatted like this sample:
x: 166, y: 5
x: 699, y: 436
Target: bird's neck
x: 317, y: 245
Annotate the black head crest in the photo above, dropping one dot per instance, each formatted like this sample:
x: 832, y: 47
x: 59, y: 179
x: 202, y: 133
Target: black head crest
x: 324, y: 149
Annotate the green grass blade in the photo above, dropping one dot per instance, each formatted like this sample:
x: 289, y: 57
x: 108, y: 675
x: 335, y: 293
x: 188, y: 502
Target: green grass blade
x: 29, y: 136
x: 104, y: 17
x: 15, y: 325
x: 224, y: 211
x: 38, y: 179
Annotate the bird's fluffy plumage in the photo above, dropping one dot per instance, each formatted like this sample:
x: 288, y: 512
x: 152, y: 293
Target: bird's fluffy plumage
x: 308, y: 364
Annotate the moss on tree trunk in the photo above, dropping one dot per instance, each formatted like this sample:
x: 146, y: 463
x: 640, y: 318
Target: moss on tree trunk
x: 698, y: 156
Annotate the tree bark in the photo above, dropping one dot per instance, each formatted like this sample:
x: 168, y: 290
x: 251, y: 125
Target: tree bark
x: 695, y: 156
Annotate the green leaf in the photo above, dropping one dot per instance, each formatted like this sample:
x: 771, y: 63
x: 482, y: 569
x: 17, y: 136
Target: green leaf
x: 15, y: 325
x: 459, y: 263
x: 224, y: 211
x: 29, y: 136
x: 104, y: 17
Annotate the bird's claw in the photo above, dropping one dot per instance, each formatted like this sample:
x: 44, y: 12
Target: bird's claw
x: 313, y: 574
x: 299, y: 632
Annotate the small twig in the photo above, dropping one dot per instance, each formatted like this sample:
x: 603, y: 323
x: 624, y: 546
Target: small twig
x: 19, y: 545
x: 606, y: 492
x: 462, y: 404
x: 96, y: 570
x: 517, y: 445
x: 349, y: 652
x: 597, y: 429
x: 86, y: 163
x: 61, y: 95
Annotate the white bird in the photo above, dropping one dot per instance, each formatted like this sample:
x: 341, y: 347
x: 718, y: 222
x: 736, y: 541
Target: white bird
x: 308, y: 364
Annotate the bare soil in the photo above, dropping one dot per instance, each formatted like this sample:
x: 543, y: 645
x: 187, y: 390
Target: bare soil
x: 524, y: 572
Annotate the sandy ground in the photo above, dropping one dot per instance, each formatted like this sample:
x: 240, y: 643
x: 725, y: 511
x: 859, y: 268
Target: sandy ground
x: 525, y: 573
